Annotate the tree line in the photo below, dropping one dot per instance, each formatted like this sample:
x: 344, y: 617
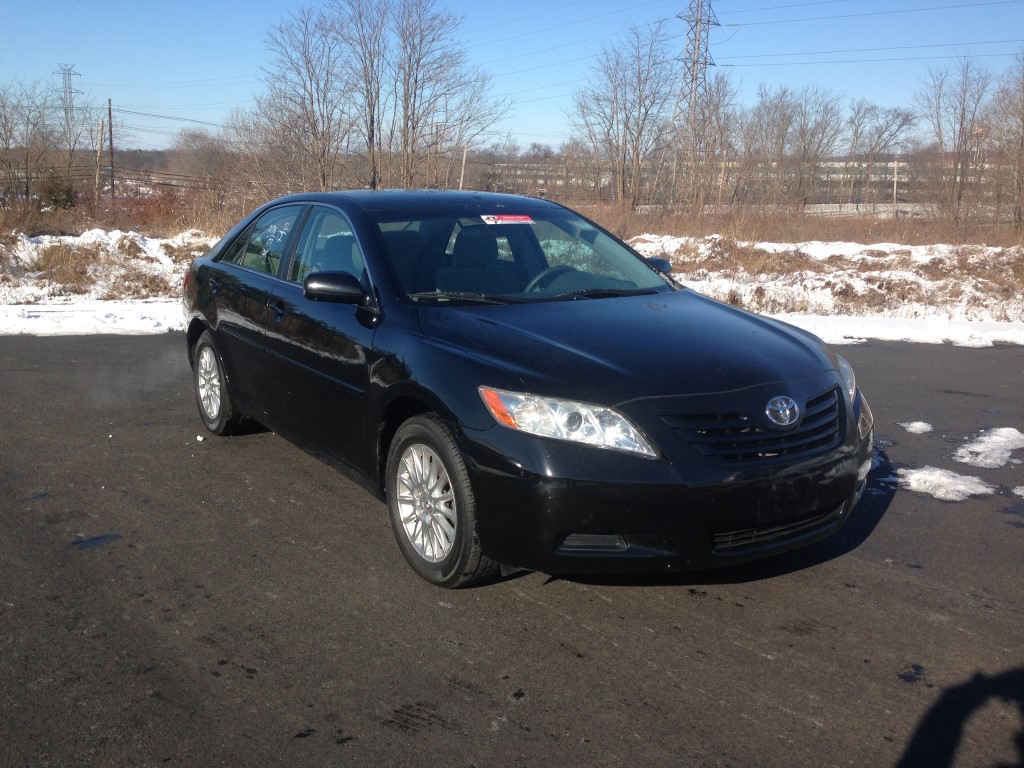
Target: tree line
x: 380, y: 93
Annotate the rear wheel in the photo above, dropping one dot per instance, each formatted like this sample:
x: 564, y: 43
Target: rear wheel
x: 212, y: 396
x: 431, y: 505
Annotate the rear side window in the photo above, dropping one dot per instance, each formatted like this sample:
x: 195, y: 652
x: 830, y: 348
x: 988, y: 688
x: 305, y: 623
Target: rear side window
x: 262, y: 245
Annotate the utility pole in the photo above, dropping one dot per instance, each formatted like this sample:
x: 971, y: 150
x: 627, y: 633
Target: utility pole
x: 895, y: 178
x: 110, y: 130
x: 99, y: 157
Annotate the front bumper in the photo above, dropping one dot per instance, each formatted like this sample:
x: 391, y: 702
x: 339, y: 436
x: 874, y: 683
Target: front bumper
x: 562, y: 508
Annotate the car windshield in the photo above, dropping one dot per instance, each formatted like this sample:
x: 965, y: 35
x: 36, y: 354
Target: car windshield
x: 512, y: 258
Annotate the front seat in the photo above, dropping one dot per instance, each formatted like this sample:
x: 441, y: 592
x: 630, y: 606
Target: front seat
x: 475, y: 266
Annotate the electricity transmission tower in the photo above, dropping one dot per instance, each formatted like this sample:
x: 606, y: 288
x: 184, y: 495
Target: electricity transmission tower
x: 691, y: 105
x: 696, y: 60
x: 69, y: 129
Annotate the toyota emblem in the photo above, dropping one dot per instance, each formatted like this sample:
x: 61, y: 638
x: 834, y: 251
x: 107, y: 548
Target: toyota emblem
x: 783, y: 411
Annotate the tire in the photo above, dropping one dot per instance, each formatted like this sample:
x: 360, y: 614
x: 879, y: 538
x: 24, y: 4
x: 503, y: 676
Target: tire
x: 431, y: 506
x: 212, y: 397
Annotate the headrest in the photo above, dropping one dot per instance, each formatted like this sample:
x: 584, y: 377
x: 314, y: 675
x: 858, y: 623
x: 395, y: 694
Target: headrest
x: 475, y: 247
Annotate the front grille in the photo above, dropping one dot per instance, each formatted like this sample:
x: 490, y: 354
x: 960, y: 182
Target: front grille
x: 733, y: 542
x: 735, y: 438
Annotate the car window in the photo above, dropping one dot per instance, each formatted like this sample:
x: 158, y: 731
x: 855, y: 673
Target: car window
x: 563, y: 248
x: 262, y: 245
x: 326, y: 245
x: 541, y: 255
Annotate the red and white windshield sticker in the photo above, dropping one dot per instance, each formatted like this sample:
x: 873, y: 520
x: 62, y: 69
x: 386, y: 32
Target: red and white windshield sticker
x: 506, y: 218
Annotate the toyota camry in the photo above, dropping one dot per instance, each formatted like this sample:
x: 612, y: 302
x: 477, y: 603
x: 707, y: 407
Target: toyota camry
x: 522, y: 389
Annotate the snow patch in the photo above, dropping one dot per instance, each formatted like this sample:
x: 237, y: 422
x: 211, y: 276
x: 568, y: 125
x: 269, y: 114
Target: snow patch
x: 991, y: 449
x: 916, y: 427
x: 93, y: 317
x: 943, y: 484
x: 811, y: 297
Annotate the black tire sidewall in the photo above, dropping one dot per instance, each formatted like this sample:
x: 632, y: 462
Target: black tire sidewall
x: 430, y: 431
x: 219, y: 425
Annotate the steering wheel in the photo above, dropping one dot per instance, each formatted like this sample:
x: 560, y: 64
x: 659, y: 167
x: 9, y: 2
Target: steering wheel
x: 545, y: 277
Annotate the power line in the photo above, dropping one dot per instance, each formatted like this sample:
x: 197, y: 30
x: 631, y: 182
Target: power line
x: 873, y: 13
x: 121, y: 111
x: 870, y: 61
x: 870, y: 50
x: 509, y: 22
x: 562, y: 26
x: 783, y: 7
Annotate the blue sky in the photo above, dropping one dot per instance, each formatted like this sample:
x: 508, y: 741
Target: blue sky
x: 195, y: 61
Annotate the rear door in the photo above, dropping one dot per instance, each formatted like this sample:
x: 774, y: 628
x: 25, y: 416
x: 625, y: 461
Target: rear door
x: 241, y: 284
x: 319, y: 353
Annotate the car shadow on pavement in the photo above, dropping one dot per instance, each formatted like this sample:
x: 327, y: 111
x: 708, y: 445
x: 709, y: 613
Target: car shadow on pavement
x: 878, y: 495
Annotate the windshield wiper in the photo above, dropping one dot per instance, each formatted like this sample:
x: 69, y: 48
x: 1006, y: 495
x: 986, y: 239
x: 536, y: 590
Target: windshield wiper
x: 478, y: 298
x: 606, y: 293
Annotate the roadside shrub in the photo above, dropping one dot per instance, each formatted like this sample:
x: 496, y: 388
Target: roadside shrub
x: 58, y: 193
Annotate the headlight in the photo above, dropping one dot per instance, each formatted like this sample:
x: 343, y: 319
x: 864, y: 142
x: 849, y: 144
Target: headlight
x: 848, y: 377
x: 565, y: 420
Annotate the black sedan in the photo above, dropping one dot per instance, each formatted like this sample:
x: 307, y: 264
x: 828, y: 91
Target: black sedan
x: 521, y: 388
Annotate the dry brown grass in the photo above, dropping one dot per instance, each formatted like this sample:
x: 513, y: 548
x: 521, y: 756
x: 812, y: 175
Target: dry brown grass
x: 181, y: 254
x: 128, y: 247
x: 72, y: 269
x: 134, y: 283
x: 796, y: 227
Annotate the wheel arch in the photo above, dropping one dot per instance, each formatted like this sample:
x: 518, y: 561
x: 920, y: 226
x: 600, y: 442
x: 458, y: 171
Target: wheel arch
x: 396, y: 412
x: 193, y: 332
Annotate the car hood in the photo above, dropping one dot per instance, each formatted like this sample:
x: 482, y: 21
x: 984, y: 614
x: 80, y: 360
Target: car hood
x: 612, y: 350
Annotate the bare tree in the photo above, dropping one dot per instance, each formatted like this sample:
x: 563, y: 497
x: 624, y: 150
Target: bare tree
x: 26, y: 136
x: 952, y: 104
x: 816, y: 131
x: 624, y: 109
x: 441, y: 102
x: 417, y: 101
x: 8, y: 116
x: 873, y: 131
x: 362, y: 28
x: 260, y: 160
x: 207, y: 160
x: 307, y: 103
x: 720, y: 125
x: 766, y: 133
x: 1008, y: 135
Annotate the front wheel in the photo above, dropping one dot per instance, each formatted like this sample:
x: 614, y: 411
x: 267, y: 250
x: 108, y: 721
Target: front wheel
x: 431, y: 505
x: 212, y: 397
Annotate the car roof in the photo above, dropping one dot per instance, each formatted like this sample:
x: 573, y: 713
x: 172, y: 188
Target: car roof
x: 426, y: 201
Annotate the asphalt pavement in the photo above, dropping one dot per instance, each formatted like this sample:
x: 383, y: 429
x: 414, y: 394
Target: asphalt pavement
x: 172, y: 598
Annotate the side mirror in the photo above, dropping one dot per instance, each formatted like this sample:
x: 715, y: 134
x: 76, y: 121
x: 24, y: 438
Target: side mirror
x: 335, y: 287
x: 662, y: 265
